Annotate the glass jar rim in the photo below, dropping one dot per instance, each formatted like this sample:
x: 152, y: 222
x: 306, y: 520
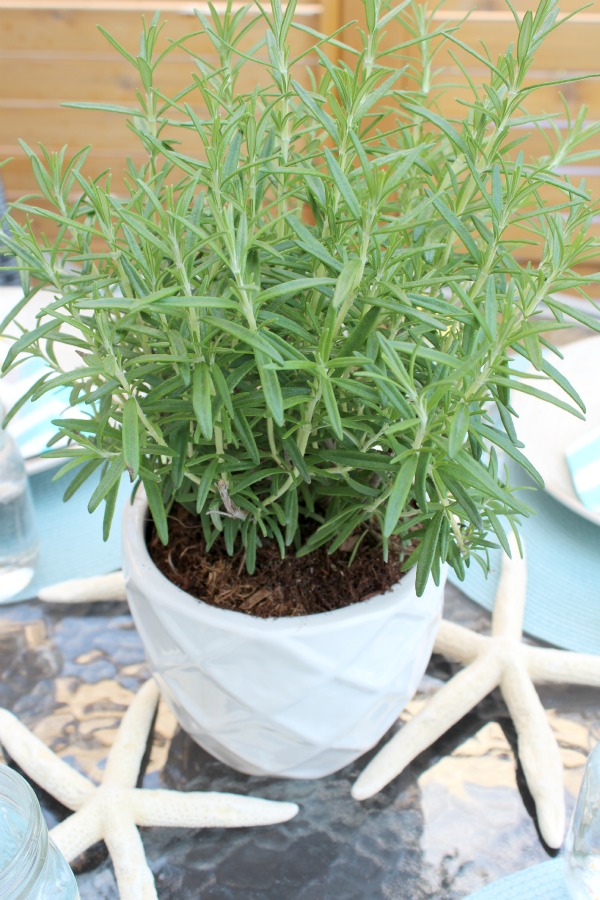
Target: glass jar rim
x: 22, y: 871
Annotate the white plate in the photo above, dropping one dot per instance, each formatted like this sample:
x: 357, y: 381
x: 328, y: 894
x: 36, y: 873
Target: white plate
x: 36, y: 464
x: 547, y: 431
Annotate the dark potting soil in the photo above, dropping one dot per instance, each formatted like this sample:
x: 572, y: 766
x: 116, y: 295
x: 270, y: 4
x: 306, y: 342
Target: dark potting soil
x: 289, y: 587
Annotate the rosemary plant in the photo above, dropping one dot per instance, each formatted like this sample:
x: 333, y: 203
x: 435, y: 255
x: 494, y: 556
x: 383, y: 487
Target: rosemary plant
x: 304, y: 304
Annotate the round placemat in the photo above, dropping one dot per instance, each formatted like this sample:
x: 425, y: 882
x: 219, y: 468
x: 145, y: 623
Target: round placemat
x: 71, y: 544
x: 563, y: 573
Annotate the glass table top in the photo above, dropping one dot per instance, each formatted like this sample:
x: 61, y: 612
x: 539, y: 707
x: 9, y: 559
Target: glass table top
x: 458, y: 818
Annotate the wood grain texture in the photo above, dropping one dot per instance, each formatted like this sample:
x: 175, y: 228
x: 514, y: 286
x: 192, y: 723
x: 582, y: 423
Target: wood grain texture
x: 75, y: 30
x: 52, y: 53
x: 45, y: 83
x: 490, y: 28
x: 182, y: 6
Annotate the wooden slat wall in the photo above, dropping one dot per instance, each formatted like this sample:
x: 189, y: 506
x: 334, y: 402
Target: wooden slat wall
x: 53, y: 52
x: 571, y: 51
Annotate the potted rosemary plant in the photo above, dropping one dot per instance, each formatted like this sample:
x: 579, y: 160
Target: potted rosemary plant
x: 295, y: 327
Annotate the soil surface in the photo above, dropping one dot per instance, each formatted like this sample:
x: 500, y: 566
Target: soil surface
x: 290, y: 587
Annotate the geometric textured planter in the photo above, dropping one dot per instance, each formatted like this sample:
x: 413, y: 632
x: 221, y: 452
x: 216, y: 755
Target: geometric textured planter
x: 293, y: 697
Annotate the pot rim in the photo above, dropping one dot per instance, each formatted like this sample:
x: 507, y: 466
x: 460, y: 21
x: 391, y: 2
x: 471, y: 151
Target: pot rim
x: 138, y: 563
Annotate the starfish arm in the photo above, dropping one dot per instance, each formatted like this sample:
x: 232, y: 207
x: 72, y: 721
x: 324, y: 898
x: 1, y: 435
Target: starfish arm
x: 562, y: 666
x: 125, y: 756
x: 134, y: 878
x: 458, y: 643
x: 76, y: 590
x: 538, y: 751
x: 509, y: 604
x: 207, y: 810
x: 77, y: 832
x: 41, y: 764
x: 448, y: 706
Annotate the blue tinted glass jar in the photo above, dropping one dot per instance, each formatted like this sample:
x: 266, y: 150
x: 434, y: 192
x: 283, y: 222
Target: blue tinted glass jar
x: 31, y: 866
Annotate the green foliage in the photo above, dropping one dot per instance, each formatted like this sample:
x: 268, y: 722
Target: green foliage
x: 305, y: 302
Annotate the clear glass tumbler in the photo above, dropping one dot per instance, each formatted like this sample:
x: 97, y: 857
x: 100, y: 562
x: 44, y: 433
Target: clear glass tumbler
x: 582, y: 845
x: 31, y: 866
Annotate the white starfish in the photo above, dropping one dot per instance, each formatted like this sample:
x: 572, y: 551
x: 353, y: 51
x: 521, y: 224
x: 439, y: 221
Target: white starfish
x: 78, y: 590
x: 113, y: 810
x: 499, y: 660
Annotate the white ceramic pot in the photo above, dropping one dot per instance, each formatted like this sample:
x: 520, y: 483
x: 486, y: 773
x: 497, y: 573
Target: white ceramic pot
x: 294, y: 697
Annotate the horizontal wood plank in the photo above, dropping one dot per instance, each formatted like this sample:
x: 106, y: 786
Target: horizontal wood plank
x: 571, y: 48
x: 46, y: 83
x: 51, y: 53
x: 69, y: 30
x: 181, y: 6
x: 521, y: 6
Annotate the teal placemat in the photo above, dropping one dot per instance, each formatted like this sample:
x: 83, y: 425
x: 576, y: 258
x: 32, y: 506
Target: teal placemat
x: 563, y: 574
x: 71, y: 544
x: 542, y: 882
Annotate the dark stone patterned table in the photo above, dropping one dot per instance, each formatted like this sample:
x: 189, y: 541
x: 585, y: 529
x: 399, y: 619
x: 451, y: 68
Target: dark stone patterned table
x: 459, y: 817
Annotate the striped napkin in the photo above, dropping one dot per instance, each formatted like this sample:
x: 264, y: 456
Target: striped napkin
x: 583, y: 458
x: 31, y: 426
x: 71, y: 544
